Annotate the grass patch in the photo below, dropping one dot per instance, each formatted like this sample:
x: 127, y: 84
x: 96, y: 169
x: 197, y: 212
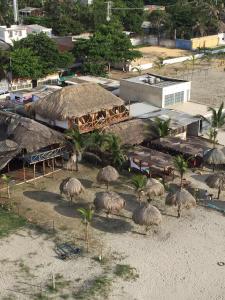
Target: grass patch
x: 100, y: 286
x: 126, y: 272
x: 10, y: 222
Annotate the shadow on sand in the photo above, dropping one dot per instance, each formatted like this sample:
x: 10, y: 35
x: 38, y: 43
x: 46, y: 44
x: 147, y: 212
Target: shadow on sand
x: 43, y: 196
x: 111, y: 225
x: 70, y: 210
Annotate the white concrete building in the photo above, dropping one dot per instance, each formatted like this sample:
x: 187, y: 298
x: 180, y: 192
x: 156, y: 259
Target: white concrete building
x: 13, y: 33
x: 34, y: 29
x: 156, y: 90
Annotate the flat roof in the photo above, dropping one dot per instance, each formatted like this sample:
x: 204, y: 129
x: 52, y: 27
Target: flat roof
x: 36, y: 26
x: 144, y: 110
x: 155, y: 80
x: 191, y: 108
x: 28, y: 8
x: 106, y: 82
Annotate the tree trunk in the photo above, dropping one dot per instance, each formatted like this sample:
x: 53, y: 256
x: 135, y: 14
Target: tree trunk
x: 8, y: 191
x: 87, y: 236
x: 179, y: 210
x: 77, y: 166
x: 158, y: 37
x: 181, y: 180
x: 109, y: 67
x: 219, y: 191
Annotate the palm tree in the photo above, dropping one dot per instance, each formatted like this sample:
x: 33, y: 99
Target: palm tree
x: 158, y: 63
x: 6, y: 179
x: 111, y: 143
x: 218, y: 117
x: 87, y: 215
x: 212, y: 134
x: 139, y: 182
x: 181, y: 166
x: 78, y: 143
x: 162, y: 127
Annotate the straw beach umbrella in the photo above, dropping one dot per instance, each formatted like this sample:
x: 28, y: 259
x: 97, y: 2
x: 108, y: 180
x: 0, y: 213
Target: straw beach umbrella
x: 147, y: 215
x: 107, y: 174
x: 182, y: 199
x: 214, y: 157
x: 154, y: 188
x: 71, y: 187
x: 109, y: 201
x: 216, y: 181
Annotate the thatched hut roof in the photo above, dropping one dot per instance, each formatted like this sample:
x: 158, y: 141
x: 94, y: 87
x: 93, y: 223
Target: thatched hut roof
x: 147, y: 215
x: 17, y: 133
x: 71, y: 186
x: 134, y: 131
x: 109, y: 201
x: 216, y: 181
x: 76, y: 101
x: 107, y: 174
x: 214, y: 156
x: 154, y: 188
x: 182, y: 197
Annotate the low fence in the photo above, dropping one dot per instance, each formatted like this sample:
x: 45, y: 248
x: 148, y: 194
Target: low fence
x: 152, y: 40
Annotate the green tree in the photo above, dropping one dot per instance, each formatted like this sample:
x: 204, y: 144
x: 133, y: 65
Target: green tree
x: 181, y: 166
x: 162, y: 127
x: 43, y: 47
x: 108, y: 45
x: 159, y: 19
x: 139, y: 182
x: 25, y: 64
x: 87, y: 215
x: 218, y: 116
x: 212, y: 135
x: 158, y: 63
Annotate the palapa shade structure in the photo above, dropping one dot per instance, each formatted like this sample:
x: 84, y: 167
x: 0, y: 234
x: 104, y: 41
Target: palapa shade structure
x: 182, y: 198
x: 71, y: 187
x: 147, y: 215
x: 214, y: 157
x: 216, y: 181
x: 86, y: 106
x: 154, y: 188
x: 109, y: 201
x: 107, y: 174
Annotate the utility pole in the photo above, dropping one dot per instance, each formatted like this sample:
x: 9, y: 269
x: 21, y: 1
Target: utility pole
x: 109, y: 10
x: 15, y: 11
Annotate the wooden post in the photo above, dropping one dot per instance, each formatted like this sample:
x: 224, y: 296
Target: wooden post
x: 53, y: 167
x: 8, y: 167
x: 34, y: 175
x: 53, y: 281
x: 44, y: 167
x: 24, y: 172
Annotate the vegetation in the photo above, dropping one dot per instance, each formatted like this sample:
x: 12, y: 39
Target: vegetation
x: 126, y: 272
x: 87, y: 215
x: 9, y: 222
x: 139, y: 182
x: 181, y: 165
x: 109, y: 45
x: 6, y: 179
x: 162, y: 127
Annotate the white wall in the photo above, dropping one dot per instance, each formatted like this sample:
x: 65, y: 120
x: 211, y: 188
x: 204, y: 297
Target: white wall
x: 176, y: 88
x: 221, y: 37
x: 14, y: 33
x: 152, y: 40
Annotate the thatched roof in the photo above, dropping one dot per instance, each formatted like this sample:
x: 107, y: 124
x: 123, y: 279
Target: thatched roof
x: 71, y: 187
x: 17, y: 133
x: 216, y: 181
x: 76, y: 101
x: 107, y: 174
x: 214, y: 156
x: 147, y: 215
x: 134, y: 131
x: 154, y: 188
x: 109, y: 201
x: 182, y: 197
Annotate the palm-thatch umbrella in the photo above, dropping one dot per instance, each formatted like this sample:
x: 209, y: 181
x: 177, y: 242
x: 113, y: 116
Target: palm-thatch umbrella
x: 107, y: 175
x: 216, y: 181
x: 214, y: 157
x: 181, y: 198
x: 109, y: 201
x: 71, y: 187
x: 154, y: 188
x: 147, y: 215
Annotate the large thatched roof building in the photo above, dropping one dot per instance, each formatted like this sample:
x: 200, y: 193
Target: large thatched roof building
x: 84, y: 106
x: 19, y: 134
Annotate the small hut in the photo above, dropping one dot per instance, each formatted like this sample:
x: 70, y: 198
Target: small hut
x: 147, y: 215
x: 71, y: 187
x: 216, y: 181
x: 154, y: 188
x: 214, y: 157
x: 182, y: 199
x: 109, y: 201
x: 27, y: 140
x: 85, y: 107
x: 107, y: 174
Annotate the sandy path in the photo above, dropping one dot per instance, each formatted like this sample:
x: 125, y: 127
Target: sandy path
x: 178, y: 263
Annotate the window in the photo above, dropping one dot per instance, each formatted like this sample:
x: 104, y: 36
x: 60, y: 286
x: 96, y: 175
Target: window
x: 169, y: 99
x: 179, y: 97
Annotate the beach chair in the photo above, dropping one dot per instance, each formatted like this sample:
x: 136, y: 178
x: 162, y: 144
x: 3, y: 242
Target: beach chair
x: 67, y: 251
